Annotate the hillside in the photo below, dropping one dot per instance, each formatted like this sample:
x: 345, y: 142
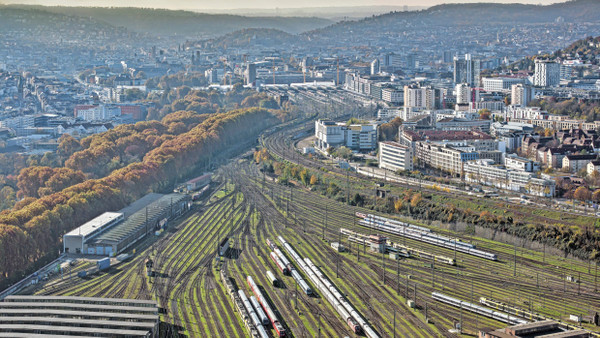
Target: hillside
x: 162, y: 22
x: 471, y: 14
x: 586, y: 50
x: 256, y: 37
x: 50, y: 24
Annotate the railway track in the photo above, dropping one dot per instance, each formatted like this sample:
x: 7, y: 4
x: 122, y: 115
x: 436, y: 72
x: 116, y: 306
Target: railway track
x: 500, y: 284
x: 198, y: 306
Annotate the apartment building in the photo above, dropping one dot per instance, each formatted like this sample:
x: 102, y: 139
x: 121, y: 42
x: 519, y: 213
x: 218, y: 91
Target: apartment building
x: 446, y: 157
x: 574, y: 163
x: 486, y: 173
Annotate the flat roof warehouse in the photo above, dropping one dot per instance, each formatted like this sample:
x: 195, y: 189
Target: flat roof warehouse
x: 96, y: 225
x: 49, y: 316
x: 113, y: 232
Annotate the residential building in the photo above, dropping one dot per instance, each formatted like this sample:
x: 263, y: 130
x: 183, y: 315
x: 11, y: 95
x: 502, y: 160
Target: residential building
x: 527, y: 113
x: 445, y: 156
x: 489, y: 105
x: 510, y: 134
x: 463, y: 93
x: 250, y: 74
x: 574, y: 163
x: 375, y: 69
x: 21, y: 121
x: 521, y: 95
x: 388, y: 113
x: 421, y: 97
x: 512, y: 161
x: 477, y: 139
x: 415, y: 96
x: 97, y: 113
x: 392, y: 95
x: 485, y: 172
x: 455, y: 123
x: 592, y: 166
x: 547, y: 73
x: 394, y: 156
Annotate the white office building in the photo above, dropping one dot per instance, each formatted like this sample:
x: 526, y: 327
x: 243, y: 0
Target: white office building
x: 356, y: 136
x: 485, y: 172
x: 500, y: 84
x: 394, y: 156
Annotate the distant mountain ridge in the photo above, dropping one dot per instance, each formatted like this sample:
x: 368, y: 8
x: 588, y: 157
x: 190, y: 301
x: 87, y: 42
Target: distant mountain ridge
x: 474, y: 14
x: 161, y: 22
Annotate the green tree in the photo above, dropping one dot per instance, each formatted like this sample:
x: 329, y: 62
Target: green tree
x: 8, y: 197
x: 344, y: 153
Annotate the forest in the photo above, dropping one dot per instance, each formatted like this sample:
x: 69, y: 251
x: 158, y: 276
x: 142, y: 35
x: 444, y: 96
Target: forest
x: 108, y: 171
x: 588, y: 110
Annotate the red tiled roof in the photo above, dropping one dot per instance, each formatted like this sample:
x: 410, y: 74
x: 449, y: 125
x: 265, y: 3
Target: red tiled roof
x: 450, y: 135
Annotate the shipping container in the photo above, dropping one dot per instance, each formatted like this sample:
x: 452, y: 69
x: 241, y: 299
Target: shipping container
x: 104, y: 263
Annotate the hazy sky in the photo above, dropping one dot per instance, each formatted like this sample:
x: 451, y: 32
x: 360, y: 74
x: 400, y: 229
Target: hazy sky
x: 262, y: 4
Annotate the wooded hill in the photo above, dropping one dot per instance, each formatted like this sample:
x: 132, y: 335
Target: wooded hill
x: 165, y: 23
x: 169, y: 151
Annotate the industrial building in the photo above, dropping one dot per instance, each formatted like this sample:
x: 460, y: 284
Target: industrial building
x: 113, y: 232
x: 544, y: 328
x: 48, y: 316
x: 76, y: 240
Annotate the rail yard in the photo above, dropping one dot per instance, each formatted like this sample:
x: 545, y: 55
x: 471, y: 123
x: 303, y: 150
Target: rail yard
x: 324, y: 292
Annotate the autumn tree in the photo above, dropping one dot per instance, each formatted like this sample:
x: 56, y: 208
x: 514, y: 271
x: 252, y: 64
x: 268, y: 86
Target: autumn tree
x: 484, y: 114
x: 7, y: 197
x: 389, y: 131
x: 415, y: 200
x: 304, y: 176
x: 583, y: 194
x: 67, y: 146
x: 398, y: 204
x: 596, y: 196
